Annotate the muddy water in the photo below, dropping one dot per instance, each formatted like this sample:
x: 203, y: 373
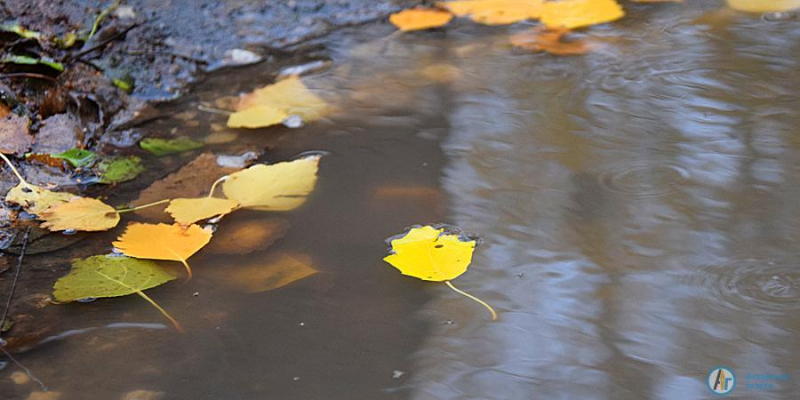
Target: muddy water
x: 637, y: 208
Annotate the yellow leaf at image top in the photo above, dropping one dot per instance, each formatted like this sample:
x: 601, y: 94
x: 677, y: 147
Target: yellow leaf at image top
x: 427, y: 254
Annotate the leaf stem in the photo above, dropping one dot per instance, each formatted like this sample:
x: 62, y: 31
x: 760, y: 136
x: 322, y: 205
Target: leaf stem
x: 214, y: 110
x: 175, y: 323
x: 481, y: 302
x: 124, y: 210
x: 188, y: 269
x: 13, y: 169
x: 214, y: 186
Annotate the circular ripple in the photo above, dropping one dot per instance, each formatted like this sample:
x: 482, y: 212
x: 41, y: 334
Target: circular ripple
x: 644, y: 180
x: 756, y: 286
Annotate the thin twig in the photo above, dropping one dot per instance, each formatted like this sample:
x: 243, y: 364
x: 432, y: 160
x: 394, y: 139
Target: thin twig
x: 101, y: 44
x: 28, y: 75
x: 24, y: 368
x: 16, y: 278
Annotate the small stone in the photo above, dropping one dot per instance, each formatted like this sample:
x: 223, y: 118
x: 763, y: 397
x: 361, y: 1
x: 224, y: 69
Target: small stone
x: 397, y: 374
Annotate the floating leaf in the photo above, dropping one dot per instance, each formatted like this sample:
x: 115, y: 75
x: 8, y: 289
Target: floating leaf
x: 763, y: 6
x: 496, y: 12
x: 35, y: 199
x: 430, y: 254
x: 262, y: 276
x: 14, y: 135
x: 119, y: 169
x: 163, y: 242
x: 189, y: 211
x: 162, y: 147
x: 573, y: 14
x: 79, y: 158
x: 274, y: 103
x: 192, y: 180
x: 420, y: 18
x: 80, y: 214
x: 551, y: 40
x: 108, y: 276
x: 277, y: 187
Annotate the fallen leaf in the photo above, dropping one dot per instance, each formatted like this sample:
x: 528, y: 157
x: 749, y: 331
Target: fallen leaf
x: 428, y: 254
x: 163, y: 242
x: 763, y: 6
x: 80, y: 214
x: 35, y: 199
x: 189, y: 211
x: 243, y: 237
x: 162, y: 147
x: 111, y: 276
x: 573, y: 14
x: 119, y: 169
x: 192, y: 180
x: 274, y: 103
x: 14, y: 135
x: 420, y: 18
x: 276, y: 187
x: 496, y: 12
x: 551, y: 40
x: 275, y: 272
x: 4, y: 110
x: 78, y: 158
x: 58, y: 133
x: 431, y: 254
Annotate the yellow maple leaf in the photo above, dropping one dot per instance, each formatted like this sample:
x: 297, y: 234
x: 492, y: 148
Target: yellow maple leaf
x: 763, y: 6
x: 163, y: 242
x: 431, y: 255
x: 276, y: 187
x: 417, y: 19
x: 189, y: 211
x: 272, y: 104
x: 80, y: 214
x: 35, y: 199
x: 496, y: 12
x: 572, y: 14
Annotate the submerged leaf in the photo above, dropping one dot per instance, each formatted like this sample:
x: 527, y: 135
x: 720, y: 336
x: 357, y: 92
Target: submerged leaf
x: 247, y: 236
x: 189, y: 211
x: 551, y: 40
x: 763, y: 6
x: 420, y: 18
x: 108, y: 276
x: 14, y: 135
x: 277, y: 187
x: 162, y: 147
x: 80, y: 214
x: 573, y: 14
x: 272, y: 104
x: 276, y: 272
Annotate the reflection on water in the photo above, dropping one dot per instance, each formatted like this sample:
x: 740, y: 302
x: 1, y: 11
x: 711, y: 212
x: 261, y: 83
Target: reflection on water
x: 637, y: 206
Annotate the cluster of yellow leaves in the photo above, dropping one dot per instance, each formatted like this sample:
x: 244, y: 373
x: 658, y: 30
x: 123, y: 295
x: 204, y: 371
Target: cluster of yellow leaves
x: 274, y: 104
x: 557, y: 14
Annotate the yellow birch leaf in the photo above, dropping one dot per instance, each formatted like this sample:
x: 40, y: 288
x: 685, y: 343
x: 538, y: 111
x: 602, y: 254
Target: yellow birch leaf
x: 163, y: 242
x: 289, y: 96
x: 420, y: 18
x: 277, y: 187
x: 432, y: 255
x: 35, y: 199
x: 189, y: 211
x: 427, y: 254
x: 763, y: 6
x: 578, y: 13
x: 80, y: 214
x: 496, y: 12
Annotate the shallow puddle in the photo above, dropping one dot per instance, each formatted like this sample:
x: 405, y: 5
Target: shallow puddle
x: 637, y: 209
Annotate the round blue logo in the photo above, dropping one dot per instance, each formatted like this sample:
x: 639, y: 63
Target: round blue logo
x: 721, y: 380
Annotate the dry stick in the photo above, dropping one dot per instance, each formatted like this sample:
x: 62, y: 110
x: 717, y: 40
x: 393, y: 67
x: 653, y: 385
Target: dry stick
x: 214, y: 110
x: 8, y: 307
x: 481, y: 302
